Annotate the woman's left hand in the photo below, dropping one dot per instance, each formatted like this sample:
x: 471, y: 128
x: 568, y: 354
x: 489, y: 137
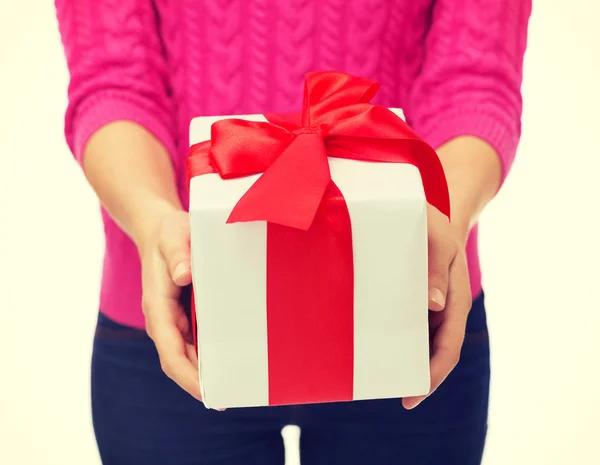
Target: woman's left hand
x: 449, y: 298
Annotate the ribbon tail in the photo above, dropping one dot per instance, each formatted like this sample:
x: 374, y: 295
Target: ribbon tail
x: 290, y: 191
x: 310, y: 307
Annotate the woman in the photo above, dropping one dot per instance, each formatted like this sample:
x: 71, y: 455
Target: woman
x: 141, y: 69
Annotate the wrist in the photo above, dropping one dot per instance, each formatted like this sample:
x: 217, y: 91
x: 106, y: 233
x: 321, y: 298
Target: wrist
x: 462, y: 228
x: 473, y: 172
x: 149, y: 218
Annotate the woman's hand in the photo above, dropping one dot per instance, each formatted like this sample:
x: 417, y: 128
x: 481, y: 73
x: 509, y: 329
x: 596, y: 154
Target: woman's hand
x: 473, y: 172
x: 449, y: 298
x: 166, y: 268
x: 134, y: 177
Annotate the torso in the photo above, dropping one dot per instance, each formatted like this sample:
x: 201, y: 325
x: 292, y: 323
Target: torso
x: 250, y: 56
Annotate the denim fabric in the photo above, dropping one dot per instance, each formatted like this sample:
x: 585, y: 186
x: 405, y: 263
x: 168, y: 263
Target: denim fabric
x: 142, y: 418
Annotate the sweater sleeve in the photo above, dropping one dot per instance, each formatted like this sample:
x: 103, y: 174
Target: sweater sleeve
x: 117, y: 69
x: 470, y: 81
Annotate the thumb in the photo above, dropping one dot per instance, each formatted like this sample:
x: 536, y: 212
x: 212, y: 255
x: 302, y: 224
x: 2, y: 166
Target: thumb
x: 440, y: 259
x: 176, y: 252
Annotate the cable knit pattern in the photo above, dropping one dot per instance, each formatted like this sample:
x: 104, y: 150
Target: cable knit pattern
x: 295, y: 45
x: 331, y: 32
x: 391, y: 47
x: 470, y: 78
x: 258, y: 62
x: 117, y: 69
x: 366, y: 28
x: 453, y: 69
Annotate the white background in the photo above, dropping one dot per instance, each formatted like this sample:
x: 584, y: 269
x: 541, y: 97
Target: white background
x: 539, y: 249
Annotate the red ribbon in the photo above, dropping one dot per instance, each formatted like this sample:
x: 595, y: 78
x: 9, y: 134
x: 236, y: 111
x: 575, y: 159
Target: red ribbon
x: 310, y: 276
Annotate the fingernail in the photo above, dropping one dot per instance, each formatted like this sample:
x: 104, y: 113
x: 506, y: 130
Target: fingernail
x: 180, y: 270
x: 435, y: 295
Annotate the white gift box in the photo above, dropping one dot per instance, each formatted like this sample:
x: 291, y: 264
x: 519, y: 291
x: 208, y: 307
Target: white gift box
x: 387, y: 208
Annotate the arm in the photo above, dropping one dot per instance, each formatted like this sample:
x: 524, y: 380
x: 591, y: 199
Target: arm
x: 133, y: 176
x: 119, y: 125
x: 466, y: 101
x: 474, y: 173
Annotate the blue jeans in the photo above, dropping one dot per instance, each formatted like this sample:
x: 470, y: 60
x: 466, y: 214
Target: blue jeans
x: 143, y: 418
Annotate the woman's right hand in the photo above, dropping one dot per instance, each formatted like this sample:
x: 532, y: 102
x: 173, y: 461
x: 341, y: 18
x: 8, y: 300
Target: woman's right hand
x: 166, y: 268
x: 133, y: 175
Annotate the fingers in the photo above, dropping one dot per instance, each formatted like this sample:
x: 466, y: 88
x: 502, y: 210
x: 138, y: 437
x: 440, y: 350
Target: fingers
x: 163, y: 325
x: 175, y: 249
x: 440, y: 257
x: 166, y: 324
x: 449, y: 337
x: 441, y: 252
x: 173, y: 353
x: 191, y: 354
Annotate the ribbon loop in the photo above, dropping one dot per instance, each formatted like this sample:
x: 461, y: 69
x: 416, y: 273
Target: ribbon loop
x: 234, y: 150
x: 325, y: 93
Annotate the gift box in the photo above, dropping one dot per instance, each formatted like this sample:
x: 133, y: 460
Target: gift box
x: 309, y: 250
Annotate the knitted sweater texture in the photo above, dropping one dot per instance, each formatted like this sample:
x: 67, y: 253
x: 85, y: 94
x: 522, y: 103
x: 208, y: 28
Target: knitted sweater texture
x: 455, y: 68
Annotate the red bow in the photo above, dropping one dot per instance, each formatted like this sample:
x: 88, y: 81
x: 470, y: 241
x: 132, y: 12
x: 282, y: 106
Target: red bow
x: 337, y: 121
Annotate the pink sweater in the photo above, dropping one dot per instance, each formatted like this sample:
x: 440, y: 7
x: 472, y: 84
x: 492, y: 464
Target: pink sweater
x: 455, y: 68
